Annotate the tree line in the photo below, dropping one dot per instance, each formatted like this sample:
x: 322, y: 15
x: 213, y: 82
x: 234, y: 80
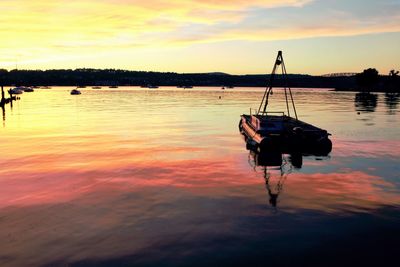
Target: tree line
x: 368, y: 80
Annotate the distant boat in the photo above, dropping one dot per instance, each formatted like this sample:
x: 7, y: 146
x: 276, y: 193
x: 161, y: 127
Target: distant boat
x: 188, y: 87
x: 75, y: 92
x: 96, y: 87
x: 81, y: 86
x: 23, y: 88
x: 45, y: 87
x: 113, y: 86
x: 152, y: 86
x: 15, y: 91
x: 230, y: 87
x: 27, y: 89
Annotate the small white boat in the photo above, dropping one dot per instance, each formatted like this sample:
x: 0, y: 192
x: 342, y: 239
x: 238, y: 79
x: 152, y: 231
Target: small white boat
x: 26, y: 89
x: 75, y: 92
x: 15, y: 91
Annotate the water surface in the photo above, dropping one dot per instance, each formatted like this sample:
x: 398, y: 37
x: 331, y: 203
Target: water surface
x: 162, y: 177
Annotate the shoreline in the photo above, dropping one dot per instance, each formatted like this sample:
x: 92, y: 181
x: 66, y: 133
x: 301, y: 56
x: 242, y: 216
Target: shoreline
x: 362, y: 91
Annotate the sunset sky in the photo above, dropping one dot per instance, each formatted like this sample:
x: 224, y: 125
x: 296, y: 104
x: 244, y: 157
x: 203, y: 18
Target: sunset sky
x: 235, y: 36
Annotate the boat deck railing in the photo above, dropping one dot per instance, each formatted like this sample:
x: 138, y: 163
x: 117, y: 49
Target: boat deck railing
x: 272, y: 113
x: 265, y: 113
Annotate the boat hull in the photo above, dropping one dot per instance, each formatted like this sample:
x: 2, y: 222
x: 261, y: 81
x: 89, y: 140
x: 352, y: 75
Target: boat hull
x: 75, y: 92
x: 284, y: 134
x: 15, y: 91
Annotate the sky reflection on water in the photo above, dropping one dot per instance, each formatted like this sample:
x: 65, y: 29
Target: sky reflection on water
x: 148, y: 177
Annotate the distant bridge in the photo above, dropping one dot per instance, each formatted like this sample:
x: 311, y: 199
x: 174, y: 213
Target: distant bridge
x: 341, y: 74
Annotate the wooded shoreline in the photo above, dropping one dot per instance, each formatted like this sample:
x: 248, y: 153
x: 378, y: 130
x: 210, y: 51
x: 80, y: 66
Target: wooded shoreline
x: 112, y: 77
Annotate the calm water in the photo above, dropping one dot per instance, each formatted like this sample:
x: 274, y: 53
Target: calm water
x: 144, y: 177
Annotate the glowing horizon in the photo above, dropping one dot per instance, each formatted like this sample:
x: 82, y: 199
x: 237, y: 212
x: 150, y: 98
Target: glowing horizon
x: 237, y: 36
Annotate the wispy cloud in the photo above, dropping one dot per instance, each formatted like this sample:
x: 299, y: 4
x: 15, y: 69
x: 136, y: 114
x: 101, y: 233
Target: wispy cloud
x: 56, y: 27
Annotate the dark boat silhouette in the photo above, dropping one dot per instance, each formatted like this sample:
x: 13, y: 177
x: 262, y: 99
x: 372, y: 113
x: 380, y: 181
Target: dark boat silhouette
x: 15, y: 91
x: 75, y: 92
x: 276, y: 130
x: 27, y: 89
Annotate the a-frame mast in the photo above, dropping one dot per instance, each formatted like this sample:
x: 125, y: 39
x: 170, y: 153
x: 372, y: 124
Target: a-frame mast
x: 279, y: 62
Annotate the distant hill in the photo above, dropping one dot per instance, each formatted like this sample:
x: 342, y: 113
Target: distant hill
x: 215, y: 73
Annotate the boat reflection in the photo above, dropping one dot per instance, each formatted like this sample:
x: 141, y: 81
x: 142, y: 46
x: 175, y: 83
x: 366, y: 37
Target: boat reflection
x: 276, y: 166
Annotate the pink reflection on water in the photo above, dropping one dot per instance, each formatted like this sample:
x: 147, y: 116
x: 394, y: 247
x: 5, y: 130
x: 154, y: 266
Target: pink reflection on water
x: 110, y: 213
x: 54, y: 179
x: 110, y: 204
x: 57, y: 178
x: 371, y: 148
x: 338, y: 192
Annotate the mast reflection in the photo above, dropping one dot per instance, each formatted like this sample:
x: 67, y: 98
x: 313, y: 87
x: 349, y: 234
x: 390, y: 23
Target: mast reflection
x: 3, y: 109
x: 276, y: 165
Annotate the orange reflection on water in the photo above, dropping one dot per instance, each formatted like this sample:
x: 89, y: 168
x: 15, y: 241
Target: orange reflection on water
x: 58, y: 177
